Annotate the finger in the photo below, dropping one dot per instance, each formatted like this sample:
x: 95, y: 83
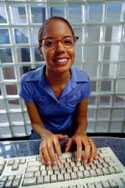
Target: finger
x: 40, y: 154
x: 57, y: 147
x: 45, y: 155
x: 79, y: 150
x: 42, y: 159
x: 68, y: 145
x: 87, y: 152
x: 93, y: 151
x: 50, y: 148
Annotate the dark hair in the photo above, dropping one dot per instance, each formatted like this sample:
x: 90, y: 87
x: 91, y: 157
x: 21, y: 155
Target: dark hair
x: 42, y: 28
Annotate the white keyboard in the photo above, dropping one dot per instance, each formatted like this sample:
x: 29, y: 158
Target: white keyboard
x: 105, y: 172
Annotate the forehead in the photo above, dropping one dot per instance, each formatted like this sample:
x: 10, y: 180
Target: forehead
x: 57, y: 28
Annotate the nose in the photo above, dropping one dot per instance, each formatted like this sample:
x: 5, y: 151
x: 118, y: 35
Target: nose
x: 60, y: 47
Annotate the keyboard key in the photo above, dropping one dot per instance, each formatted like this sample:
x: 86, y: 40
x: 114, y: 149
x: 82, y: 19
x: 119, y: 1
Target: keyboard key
x: 67, y: 176
x: 40, y: 180
x: 29, y: 175
x: 53, y: 178
x: 2, y: 184
x: 90, y: 185
x: 99, y: 172
x: 80, y: 174
x: 92, y: 172
x: 86, y: 173
x: 98, y: 185
x: 73, y: 175
x: 15, y: 183
x: 15, y: 166
x: 8, y: 184
x: 46, y: 179
x: 106, y: 184
x: 29, y: 181
x: 60, y: 177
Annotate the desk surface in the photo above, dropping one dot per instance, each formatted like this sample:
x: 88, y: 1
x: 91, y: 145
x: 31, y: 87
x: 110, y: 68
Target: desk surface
x: 31, y: 147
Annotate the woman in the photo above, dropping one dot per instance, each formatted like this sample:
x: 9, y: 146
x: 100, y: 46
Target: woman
x: 56, y: 95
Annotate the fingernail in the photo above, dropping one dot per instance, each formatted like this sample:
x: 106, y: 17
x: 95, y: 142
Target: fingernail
x: 85, y: 161
x: 79, y: 159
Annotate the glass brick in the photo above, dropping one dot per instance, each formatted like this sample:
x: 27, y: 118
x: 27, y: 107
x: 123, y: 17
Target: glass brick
x: 113, y: 33
x: 103, y: 114
x: 16, y: 117
x: 91, y: 53
x: 3, y: 14
x: 13, y: 104
x: 37, y: 14
x: 118, y: 114
x: 118, y: 100
x: 8, y: 73
x: 21, y: 35
x: 23, y: 54
x: 34, y: 35
x: 113, y: 11
x: 11, y: 89
x: 4, y: 36
x: 18, y: 15
x: 92, y: 34
x: 120, y: 86
x: 94, y: 12
x: 77, y: 17
x: 57, y: 11
x: 104, y: 101
x: 5, y: 55
x: 106, y: 85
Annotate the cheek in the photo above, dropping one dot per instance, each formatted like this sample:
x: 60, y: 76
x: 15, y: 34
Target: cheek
x: 72, y: 54
x: 46, y: 54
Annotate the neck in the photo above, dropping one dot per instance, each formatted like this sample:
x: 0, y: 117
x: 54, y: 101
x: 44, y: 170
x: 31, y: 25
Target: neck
x: 57, y: 78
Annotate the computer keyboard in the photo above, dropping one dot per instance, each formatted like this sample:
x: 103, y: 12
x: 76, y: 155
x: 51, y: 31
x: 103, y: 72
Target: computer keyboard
x: 23, y: 172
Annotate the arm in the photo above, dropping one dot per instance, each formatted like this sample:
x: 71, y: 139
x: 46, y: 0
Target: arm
x: 81, y: 117
x: 80, y: 137
x: 49, y: 148
x: 36, y: 120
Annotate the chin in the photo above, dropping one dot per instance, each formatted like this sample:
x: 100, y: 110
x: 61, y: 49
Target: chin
x: 62, y: 69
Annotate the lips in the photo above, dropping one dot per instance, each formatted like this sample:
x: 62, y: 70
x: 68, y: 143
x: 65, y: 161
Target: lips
x: 61, y: 61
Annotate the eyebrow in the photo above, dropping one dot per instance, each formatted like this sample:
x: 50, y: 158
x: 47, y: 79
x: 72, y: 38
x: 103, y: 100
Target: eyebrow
x: 67, y: 36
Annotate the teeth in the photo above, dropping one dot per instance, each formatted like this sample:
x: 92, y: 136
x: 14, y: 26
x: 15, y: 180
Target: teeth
x: 61, y: 61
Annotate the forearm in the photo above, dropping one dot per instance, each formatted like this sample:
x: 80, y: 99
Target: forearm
x: 81, y: 126
x: 37, y: 122
x: 40, y: 129
x: 81, y: 121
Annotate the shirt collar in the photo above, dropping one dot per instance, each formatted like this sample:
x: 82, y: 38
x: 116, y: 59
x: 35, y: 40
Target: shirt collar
x: 38, y: 75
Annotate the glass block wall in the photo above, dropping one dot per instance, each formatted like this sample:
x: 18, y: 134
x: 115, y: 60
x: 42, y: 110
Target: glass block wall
x: 100, y: 25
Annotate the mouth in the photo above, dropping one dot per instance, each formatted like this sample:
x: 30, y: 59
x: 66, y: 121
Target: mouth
x: 61, y: 61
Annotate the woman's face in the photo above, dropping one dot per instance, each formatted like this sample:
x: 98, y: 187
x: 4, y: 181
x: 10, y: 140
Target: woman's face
x: 58, y: 46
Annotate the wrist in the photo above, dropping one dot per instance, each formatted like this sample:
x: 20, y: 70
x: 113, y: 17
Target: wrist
x: 45, y: 133
x: 81, y: 131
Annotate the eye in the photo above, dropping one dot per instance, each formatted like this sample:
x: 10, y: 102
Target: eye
x: 68, y: 42
x: 48, y: 43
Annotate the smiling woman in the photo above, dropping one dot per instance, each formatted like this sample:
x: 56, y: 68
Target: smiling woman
x: 56, y: 95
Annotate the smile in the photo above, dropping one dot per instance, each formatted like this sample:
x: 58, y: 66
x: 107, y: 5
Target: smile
x: 61, y: 61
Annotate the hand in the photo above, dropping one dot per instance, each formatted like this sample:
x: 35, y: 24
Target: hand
x: 82, y: 141
x: 50, y: 150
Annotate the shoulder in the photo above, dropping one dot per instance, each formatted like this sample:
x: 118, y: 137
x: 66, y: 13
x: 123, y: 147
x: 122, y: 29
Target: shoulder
x: 79, y: 75
x: 33, y: 75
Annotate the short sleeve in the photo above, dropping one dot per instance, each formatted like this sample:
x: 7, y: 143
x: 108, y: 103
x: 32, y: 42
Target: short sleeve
x: 25, y: 90
x: 86, y: 88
